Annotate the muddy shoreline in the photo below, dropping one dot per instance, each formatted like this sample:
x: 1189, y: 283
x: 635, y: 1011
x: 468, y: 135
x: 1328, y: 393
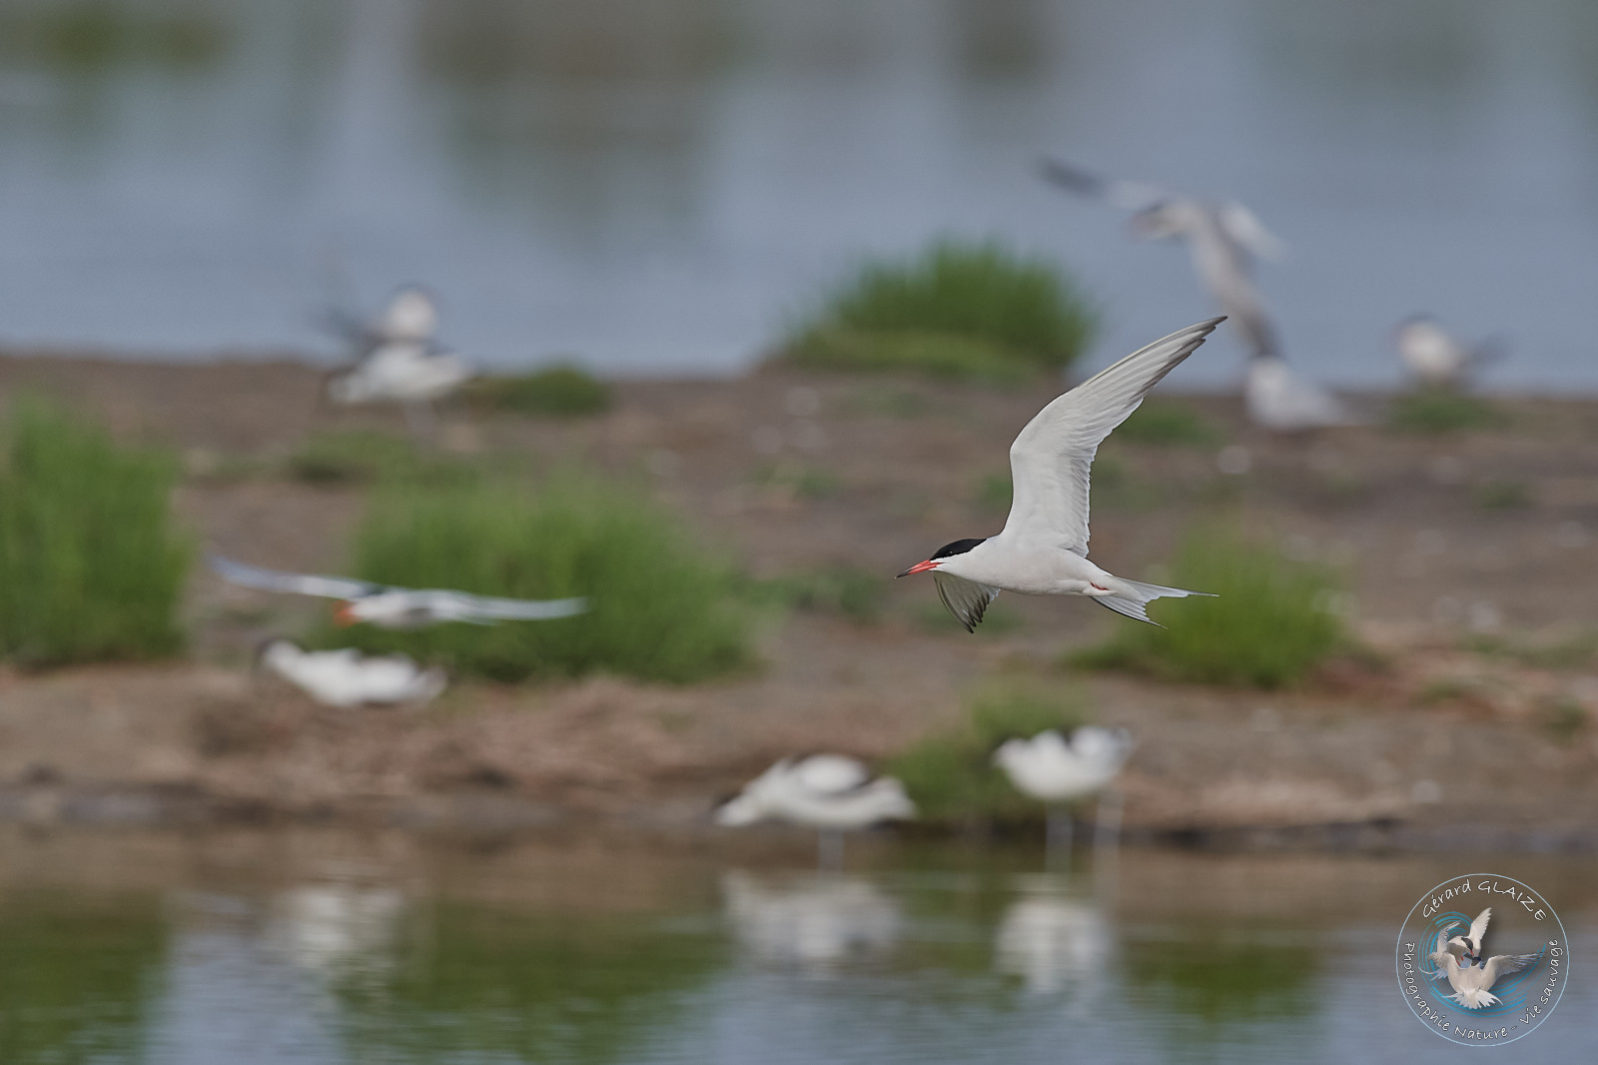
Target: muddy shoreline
x: 1464, y: 555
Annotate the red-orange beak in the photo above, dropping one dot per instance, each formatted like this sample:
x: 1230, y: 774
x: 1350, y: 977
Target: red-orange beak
x: 920, y: 567
x: 344, y: 615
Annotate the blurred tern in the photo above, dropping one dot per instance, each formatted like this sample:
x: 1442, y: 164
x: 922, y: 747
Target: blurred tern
x: 397, y: 608
x: 1283, y: 401
x: 1436, y: 358
x: 829, y: 792
x: 1055, y: 769
x: 411, y: 316
x: 1223, y: 238
x: 1043, y: 547
x: 348, y: 678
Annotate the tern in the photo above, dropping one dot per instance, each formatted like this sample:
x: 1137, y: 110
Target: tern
x: 1471, y: 944
x: 397, y: 608
x: 1223, y: 237
x: 1043, y: 547
x: 1437, y: 359
x: 1473, y: 984
x: 1055, y: 769
x: 829, y: 792
x: 1283, y: 401
x: 411, y: 314
x: 348, y: 678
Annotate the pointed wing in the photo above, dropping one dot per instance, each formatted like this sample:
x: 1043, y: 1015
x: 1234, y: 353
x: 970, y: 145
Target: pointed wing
x: 1501, y: 965
x: 1478, y: 928
x: 1127, y: 195
x: 966, y: 600
x: 1052, y: 459
x: 300, y: 583
x: 461, y: 606
x: 1244, y: 226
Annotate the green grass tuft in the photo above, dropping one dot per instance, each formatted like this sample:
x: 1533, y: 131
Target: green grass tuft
x: 556, y: 391
x: 91, y: 566
x: 1436, y: 411
x: 663, y: 607
x: 359, y: 456
x: 1164, y: 423
x: 957, y: 310
x: 1268, y: 626
x: 850, y: 591
x: 950, y: 774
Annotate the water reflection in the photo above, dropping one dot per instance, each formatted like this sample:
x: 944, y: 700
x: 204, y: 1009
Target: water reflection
x: 79, y: 975
x: 811, y: 921
x: 1054, y: 942
x: 337, y: 931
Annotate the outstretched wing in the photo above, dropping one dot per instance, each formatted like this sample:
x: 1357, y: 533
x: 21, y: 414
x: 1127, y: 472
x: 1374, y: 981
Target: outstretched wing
x: 1478, y: 929
x: 966, y: 600
x: 1501, y: 965
x: 1127, y: 195
x: 462, y: 606
x: 299, y: 583
x: 1051, y: 461
x: 1244, y: 227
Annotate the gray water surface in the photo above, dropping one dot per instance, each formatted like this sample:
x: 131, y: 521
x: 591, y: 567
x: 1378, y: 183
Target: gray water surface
x: 332, y: 949
x: 660, y: 185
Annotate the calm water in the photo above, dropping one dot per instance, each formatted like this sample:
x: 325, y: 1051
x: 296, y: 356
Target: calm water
x: 657, y: 185
x: 322, y: 949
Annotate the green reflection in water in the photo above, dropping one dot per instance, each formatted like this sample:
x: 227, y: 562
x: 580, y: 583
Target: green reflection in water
x: 534, y: 987
x: 1224, y: 979
x: 93, y: 35
x: 78, y: 976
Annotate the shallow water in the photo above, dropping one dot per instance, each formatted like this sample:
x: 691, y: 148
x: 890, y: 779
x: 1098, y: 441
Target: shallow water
x: 658, y: 185
x: 323, y: 948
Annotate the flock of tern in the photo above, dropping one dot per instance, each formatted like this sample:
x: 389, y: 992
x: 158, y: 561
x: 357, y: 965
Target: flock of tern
x: 1041, y: 550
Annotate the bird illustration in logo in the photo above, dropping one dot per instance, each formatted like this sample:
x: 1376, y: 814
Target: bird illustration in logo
x: 1459, y: 959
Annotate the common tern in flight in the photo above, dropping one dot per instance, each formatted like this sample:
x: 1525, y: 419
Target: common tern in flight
x: 348, y: 678
x: 397, y: 608
x: 1055, y: 769
x: 1223, y: 238
x: 829, y: 792
x: 1436, y: 358
x: 1472, y: 983
x: 1043, y: 547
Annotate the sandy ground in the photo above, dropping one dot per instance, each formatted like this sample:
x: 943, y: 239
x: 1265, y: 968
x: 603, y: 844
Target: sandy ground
x: 1441, y: 538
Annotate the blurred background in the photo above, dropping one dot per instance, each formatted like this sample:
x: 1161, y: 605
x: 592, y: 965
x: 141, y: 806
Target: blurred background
x: 728, y: 311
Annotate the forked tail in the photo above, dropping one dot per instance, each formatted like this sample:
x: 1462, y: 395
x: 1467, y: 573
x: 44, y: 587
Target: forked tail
x: 1133, y: 597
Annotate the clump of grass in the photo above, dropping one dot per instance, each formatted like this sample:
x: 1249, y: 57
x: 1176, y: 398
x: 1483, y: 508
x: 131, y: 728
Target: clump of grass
x: 956, y: 310
x: 564, y: 391
x: 801, y: 481
x: 950, y: 774
x: 1503, y: 495
x: 1575, y: 649
x: 91, y: 566
x: 1563, y: 718
x: 855, y: 593
x: 662, y: 606
x: 1268, y: 626
x: 359, y: 456
x: 1164, y: 423
x: 1436, y: 411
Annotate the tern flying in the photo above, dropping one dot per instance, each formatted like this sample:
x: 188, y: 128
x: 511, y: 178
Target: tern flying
x: 1043, y: 548
x: 397, y: 608
x: 1224, y: 239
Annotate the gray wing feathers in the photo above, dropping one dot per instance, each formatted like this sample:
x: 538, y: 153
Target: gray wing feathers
x: 462, y: 606
x: 278, y: 581
x: 1052, y: 459
x: 966, y: 600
